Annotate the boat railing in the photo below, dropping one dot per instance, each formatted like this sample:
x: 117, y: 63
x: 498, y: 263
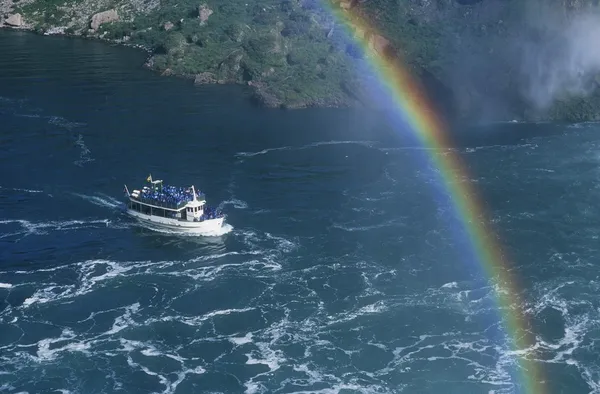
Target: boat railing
x: 162, y: 204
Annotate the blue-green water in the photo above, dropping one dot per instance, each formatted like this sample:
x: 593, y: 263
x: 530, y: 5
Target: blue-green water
x: 343, y: 269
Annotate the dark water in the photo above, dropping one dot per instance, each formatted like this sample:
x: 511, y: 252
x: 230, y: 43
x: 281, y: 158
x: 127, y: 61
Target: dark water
x: 343, y: 269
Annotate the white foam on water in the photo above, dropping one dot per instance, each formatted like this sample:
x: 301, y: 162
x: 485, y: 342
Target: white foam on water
x: 314, y: 318
x: 33, y: 112
x: 580, y: 125
x: 214, y: 272
x: 389, y: 223
x: 265, y: 346
x: 197, y: 321
x: 239, y: 341
x: 84, y: 156
x: 283, y: 244
x: 256, y: 241
x: 376, y: 308
x: 130, y: 347
x: 308, y: 146
x: 58, y: 121
x: 47, y: 349
x: 28, y: 228
x: 104, y: 201
x: 41, y: 296
x: 581, y: 322
x: 450, y: 285
x: 64, y: 123
x: 226, y: 228
x: 89, y: 279
x: 238, y: 204
x: 94, y: 273
x: 124, y: 320
x: 33, y: 191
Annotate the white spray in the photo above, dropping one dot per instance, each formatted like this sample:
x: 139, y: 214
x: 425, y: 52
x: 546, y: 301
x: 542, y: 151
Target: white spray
x: 563, y: 57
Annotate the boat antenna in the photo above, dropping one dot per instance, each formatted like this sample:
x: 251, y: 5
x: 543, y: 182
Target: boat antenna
x: 194, y: 192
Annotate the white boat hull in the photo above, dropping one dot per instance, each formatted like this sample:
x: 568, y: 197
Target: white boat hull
x: 204, y: 227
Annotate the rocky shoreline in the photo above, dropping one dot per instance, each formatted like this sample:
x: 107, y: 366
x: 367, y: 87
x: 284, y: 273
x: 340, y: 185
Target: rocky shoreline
x: 16, y: 22
x: 469, y: 57
x: 265, y: 89
x: 258, y: 92
x: 261, y: 93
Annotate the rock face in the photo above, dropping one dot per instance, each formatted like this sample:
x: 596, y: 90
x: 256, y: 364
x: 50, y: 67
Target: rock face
x: 379, y: 44
x: 205, y: 78
x: 262, y: 96
x: 14, y: 20
x: 103, y: 17
x: 346, y: 5
x: 203, y: 13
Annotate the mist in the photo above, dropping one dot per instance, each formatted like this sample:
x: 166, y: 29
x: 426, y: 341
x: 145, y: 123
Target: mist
x: 559, y: 54
x: 524, y: 57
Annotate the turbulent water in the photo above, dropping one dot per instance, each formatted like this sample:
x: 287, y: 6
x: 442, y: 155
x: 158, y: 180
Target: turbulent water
x: 342, y: 268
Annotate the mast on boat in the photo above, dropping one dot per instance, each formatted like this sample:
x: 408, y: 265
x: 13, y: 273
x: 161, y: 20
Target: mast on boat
x: 194, y: 192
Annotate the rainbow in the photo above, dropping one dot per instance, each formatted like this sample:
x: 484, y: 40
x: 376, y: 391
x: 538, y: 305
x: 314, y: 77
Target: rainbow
x: 409, y: 98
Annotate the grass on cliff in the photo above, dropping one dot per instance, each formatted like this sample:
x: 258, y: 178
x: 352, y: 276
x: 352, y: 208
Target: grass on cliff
x: 282, y: 44
x: 45, y: 13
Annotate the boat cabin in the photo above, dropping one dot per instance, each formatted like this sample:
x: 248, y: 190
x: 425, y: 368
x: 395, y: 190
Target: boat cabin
x: 169, y: 202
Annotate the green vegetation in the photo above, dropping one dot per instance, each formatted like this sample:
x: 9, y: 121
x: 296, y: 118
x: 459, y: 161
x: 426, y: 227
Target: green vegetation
x: 295, y: 54
x: 280, y: 46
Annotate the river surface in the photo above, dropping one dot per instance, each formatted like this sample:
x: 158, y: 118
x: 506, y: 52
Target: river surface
x: 342, y: 268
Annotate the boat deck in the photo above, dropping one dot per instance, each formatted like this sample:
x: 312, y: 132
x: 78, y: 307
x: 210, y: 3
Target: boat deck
x: 170, y: 197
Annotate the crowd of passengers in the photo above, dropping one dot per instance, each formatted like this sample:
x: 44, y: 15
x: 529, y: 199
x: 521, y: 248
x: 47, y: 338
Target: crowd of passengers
x: 174, y: 196
x: 211, y: 213
x: 169, y: 195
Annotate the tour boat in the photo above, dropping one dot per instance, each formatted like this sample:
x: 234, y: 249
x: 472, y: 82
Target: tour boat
x: 173, y: 208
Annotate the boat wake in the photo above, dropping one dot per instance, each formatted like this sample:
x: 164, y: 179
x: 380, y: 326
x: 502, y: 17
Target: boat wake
x: 102, y: 201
